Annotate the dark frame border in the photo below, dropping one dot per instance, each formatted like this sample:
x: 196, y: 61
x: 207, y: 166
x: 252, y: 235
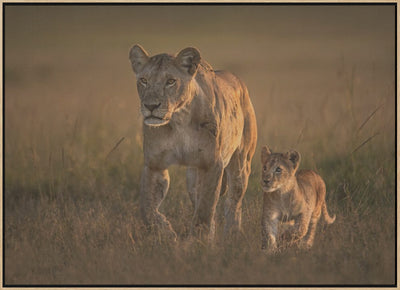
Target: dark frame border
x: 4, y: 5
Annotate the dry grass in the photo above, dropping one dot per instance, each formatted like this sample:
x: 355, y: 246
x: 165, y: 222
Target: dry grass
x: 73, y: 156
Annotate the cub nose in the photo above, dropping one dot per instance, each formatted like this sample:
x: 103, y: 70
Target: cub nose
x: 152, y: 106
x: 267, y: 179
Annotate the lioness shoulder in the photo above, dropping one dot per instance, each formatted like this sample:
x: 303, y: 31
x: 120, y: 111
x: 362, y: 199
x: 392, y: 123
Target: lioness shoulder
x: 290, y: 195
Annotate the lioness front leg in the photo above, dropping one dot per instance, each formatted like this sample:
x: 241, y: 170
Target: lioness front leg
x: 207, y: 195
x: 191, y: 179
x: 154, y: 187
x: 238, y: 171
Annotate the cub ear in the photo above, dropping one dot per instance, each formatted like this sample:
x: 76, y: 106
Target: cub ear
x: 138, y: 57
x: 188, y: 59
x: 265, y: 152
x: 294, y: 157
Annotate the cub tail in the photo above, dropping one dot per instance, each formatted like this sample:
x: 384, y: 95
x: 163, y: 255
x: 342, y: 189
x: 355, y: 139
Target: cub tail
x: 329, y: 220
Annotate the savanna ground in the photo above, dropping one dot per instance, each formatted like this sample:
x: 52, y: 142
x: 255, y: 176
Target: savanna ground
x: 321, y: 79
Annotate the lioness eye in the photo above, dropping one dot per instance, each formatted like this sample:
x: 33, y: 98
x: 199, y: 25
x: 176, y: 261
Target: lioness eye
x: 143, y: 81
x: 265, y: 168
x: 170, y: 82
x: 278, y: 170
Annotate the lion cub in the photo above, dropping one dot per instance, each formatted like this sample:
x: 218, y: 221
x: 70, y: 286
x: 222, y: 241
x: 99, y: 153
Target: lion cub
x: 290, y: 195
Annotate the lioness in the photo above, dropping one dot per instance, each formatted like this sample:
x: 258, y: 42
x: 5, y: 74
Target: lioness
x: 290, y: 195
x: 196, y: 117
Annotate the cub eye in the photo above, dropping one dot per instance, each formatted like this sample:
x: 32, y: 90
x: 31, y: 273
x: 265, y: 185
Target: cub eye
x: 171, y: 82
x: 278, y: 170
x: 143, y: 81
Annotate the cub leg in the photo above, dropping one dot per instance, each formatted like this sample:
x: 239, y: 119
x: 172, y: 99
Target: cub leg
x: 309, y: 238
x: 300, y: 229
x: 269, y: 229
x: 286, y: 231
x: 208, y: 191
x: 238, y: 171
x: 154, y: 187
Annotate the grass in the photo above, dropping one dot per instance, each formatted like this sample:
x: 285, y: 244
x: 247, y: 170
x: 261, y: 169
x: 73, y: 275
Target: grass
x: 73, y: 156
x: 98, y: 239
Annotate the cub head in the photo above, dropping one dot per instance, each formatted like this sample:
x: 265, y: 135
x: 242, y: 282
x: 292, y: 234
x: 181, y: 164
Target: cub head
x: 164, y: 82
x: 278, y: 169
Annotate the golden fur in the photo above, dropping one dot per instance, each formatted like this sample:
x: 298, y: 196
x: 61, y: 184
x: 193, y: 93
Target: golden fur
x: 290, y: 195
x: 199, y: 118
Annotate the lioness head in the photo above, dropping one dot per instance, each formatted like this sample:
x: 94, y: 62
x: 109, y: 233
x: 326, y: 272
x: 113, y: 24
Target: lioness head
x: 278, y: 169
x: 164, y: 82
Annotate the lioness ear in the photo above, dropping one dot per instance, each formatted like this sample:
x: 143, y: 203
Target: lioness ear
x: 138, y: 57
x: 265, y: 152
x: 294, y: 157
x: 188, y: 59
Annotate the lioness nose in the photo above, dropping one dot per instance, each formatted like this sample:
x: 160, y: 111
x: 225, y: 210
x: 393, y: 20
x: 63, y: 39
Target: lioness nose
x: 152, y: 106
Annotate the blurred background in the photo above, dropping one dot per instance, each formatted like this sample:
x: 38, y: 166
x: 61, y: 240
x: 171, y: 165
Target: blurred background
x: 321, y: 79
x: 305, y: 66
